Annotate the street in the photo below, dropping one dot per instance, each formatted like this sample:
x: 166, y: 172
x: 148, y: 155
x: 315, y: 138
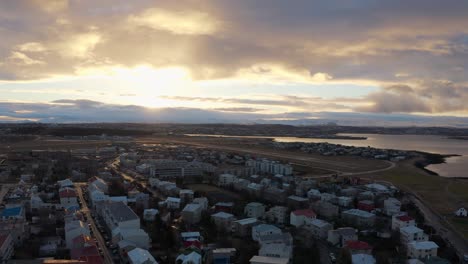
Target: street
x: 100, y: 240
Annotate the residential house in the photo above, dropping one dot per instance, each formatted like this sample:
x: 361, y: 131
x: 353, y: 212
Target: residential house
x: 297, y: 202
x: 191, y: 214
x: 363, y: 259
x: 202, y: 201
x: 277, y: 214
x: 345, y: 201
x: 358, y: 247
x: 149, y: 215
x: 359, y: 218
x: 173, y: 203
x: 462, y: 212
x: 140, y: 256
x: 186, y: 195
x: 366, y: 205
x: 264, y: 229
x: 422, y: 249
x: 74, y: 229
x: 223, y: 220
x: 402, y: 220
x: 226, y: 180
x: 68, y: 197
x: 223, y: 255
x: 302, y: 217
x: 191, y: 258
x: 118, y: 215
x: 224, y: 207
x: 326, y: 209
x: 392, y: 206
x: 254, y: 209
x: 412, y: 233
x: 135, y: 235
x: 243, y: 227
x: 319, y: 228
x: 340, y: 236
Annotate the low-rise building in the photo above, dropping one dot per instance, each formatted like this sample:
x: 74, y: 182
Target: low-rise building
x: 402, y: 220
x: 223, y: 220
x: 254, y: 209
x: 302, y: 217
x: 422, y: 249
x: 277, y: 214
x: 264, y: 229
x: 202, y: 201
x: 191, y: 213
x: 319, y: 228
x: 243, y: 227
x: 358, y: 247
x: 340, y: 236
x: 412, y: 233
x: 149, y: 215
x: 140, y: 256
x: 392, y: 206
x: 172, y: 203
x: 359, y: 218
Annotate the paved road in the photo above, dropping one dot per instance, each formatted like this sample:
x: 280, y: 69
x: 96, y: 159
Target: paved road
x: 100, y: 240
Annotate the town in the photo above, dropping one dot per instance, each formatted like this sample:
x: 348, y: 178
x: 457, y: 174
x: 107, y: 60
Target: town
x: 176, y: 203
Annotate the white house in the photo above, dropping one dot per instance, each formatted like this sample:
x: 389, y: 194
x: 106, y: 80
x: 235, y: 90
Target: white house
x: 277, y: 214
x: 223, y: 220
x: 461, y: 212
x: 192, y: 258
x: 264, y: 229
x: 172, y: 203
x: 392, y: 206
x: 319, y: 228
x: 140, y: 256
x: 340, y: 236
x: 412, y: 233
x: 254, y: 209
x: 202, y: 201
x: 118, y: 215
x: 276, y: 250
x: 422, y: 249
x: 135, y: 235
x: 149, y: 215
x: 74, y: 229
x: 191, y: 213
x: 402, y: 220
x: 226, y: 179
x: 302, y: 217
x: 68, y: 197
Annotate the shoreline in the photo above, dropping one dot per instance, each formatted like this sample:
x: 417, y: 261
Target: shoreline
x: 433, y: 159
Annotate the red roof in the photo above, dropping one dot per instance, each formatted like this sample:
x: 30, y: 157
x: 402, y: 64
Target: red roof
x: 79, y: 253
x: 357, y: 245
x: 405, y: 218
x: 306, y: 212
x: 67, y: 193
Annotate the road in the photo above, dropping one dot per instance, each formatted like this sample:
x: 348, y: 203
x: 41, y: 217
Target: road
x: 115, y: 166
x: 100, y: 240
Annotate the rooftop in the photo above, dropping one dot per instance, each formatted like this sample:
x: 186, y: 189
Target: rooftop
x: 192, y: 207
x: 358, y: 212
x: 305, y: 212
x: 269, y: 260
x: 410, y: 230
x: 423, y: 245
x: 120, y: 211
x: 222, y: 215
x: 358, y: 245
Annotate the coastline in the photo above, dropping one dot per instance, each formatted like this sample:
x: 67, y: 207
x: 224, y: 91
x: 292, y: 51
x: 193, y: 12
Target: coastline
x: 431, y: 159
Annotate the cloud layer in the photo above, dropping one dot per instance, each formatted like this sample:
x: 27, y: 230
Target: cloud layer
x: 416, y: 51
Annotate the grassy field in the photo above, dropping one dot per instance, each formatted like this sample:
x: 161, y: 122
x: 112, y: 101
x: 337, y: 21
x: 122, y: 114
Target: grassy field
x: 445, y: 195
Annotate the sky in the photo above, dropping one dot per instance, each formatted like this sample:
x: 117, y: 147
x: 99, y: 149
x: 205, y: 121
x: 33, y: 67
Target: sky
x: 355, y: 61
